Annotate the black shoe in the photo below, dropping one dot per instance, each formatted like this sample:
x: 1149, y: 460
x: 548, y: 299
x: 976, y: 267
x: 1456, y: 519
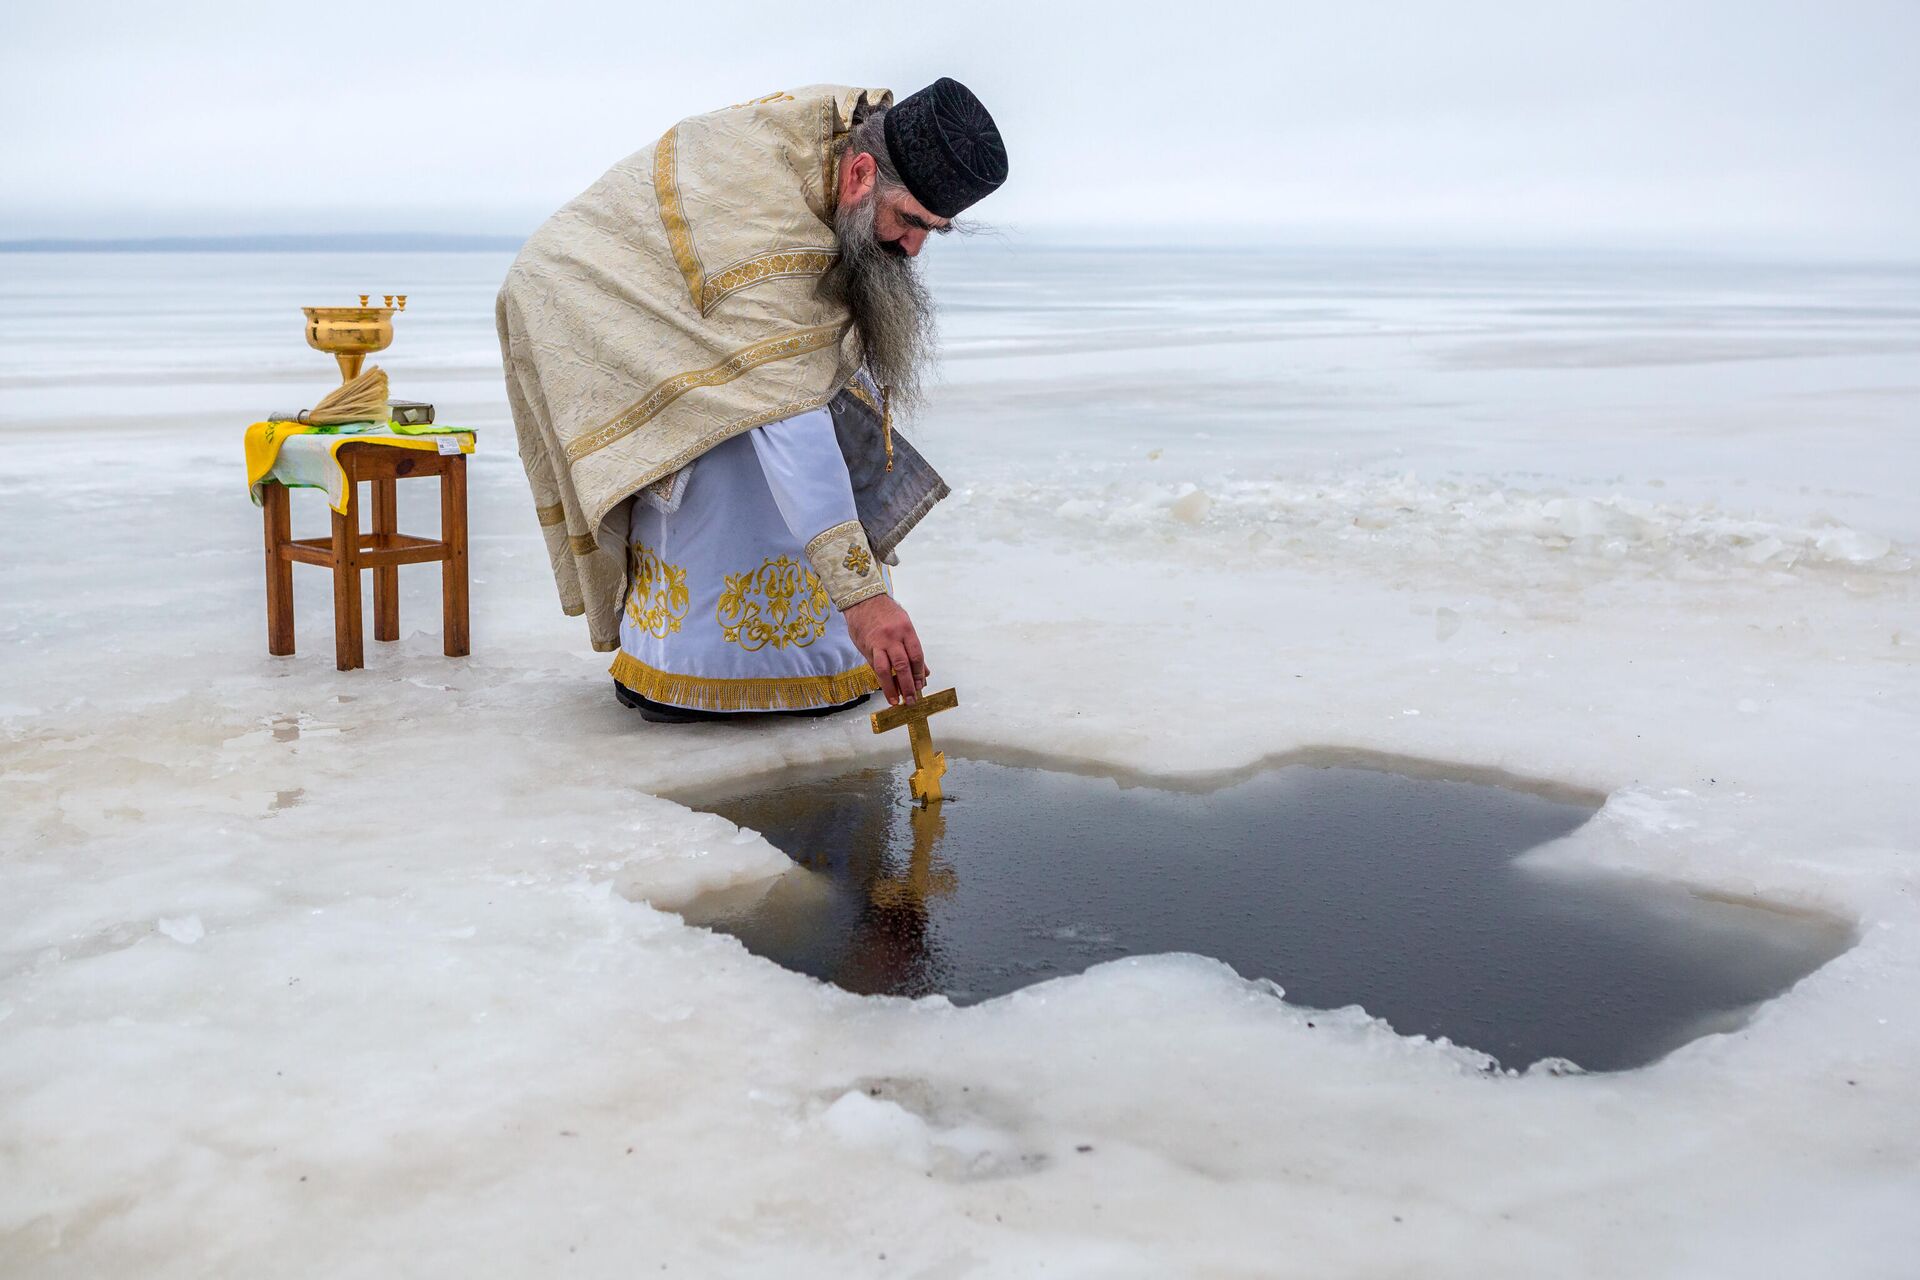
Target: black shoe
x: 659, y: 712
x: 837, y: 707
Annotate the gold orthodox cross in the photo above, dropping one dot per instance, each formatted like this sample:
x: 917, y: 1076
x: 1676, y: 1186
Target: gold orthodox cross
x: 928, y: 764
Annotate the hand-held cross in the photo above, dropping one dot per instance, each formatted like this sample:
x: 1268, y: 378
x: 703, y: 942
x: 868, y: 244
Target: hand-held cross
x: 929, y: 765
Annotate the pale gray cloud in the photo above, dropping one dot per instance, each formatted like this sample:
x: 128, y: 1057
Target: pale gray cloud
x: 1722, y: 124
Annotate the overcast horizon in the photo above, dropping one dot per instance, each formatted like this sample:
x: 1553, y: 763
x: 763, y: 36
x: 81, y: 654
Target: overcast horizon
x: 1767, y: 128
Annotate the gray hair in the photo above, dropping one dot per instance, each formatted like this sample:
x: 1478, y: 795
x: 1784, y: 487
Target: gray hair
x: 869, y: 137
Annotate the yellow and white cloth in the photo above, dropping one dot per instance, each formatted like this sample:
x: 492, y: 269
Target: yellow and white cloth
x: 303, y: 457
x: 734, y: 594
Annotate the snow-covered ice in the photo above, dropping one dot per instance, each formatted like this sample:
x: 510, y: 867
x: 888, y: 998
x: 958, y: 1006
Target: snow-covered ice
x: 317, y: 973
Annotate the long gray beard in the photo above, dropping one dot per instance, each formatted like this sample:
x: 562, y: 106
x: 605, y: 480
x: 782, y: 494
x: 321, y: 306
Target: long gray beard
x: 890, y: 304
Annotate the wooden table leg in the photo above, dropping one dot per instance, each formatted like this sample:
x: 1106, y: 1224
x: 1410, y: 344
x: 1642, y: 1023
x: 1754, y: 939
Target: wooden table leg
x: 386, y: 581
x: 348, y: 645
x: 273, y: 506
x: 453, y: 570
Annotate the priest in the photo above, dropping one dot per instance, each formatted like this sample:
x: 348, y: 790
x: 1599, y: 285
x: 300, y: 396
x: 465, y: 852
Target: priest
x: 706, y: 354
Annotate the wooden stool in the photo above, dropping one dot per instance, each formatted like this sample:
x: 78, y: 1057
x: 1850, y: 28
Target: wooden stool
x: 384, y: 550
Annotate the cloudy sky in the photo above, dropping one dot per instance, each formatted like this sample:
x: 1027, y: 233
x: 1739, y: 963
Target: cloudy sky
x: 1755, y: 124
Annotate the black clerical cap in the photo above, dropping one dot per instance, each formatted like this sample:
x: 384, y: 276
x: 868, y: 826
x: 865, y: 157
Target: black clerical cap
x: 946, y: 147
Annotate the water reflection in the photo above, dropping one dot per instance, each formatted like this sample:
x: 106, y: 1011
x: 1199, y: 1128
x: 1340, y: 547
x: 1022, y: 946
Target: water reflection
x: 892, y: 943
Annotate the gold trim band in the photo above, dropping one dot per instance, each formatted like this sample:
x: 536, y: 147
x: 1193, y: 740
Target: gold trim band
x: 775, y: 693
x: 829, y: 159
x: 708, y: 292
x: 555, y: 514
x: 582, y: 544
x: 767, y: 266
x: 785, y: 347
x: 666, y: 192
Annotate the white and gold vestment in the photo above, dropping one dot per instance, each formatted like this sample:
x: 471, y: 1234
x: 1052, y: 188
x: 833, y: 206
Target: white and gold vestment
x: 736, y: 582
x: 671, y: 306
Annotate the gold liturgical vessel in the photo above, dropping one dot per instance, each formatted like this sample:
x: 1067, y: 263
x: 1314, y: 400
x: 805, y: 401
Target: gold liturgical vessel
x: 351, y: 334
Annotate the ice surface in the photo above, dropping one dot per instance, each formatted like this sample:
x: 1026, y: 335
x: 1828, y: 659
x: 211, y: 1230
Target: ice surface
x: 441, y: 1018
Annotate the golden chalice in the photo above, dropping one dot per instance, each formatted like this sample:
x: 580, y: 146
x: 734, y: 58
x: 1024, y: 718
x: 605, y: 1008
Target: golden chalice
x: 350, y: 334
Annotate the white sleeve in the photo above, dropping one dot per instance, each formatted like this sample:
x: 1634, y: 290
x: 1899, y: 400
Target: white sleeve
x: 801, y: 459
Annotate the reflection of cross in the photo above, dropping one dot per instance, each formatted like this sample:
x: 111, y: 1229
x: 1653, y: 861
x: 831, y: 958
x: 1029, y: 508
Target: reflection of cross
x: 924, y: 783
x: 925, y: 878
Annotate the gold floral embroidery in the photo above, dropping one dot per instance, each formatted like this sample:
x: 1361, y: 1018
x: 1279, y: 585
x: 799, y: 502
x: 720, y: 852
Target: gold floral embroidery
x: 791, y: 609
x: 657, y: 598
x: 857, y: 559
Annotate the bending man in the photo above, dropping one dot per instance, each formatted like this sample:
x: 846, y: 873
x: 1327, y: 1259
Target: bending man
x: 705, y: 353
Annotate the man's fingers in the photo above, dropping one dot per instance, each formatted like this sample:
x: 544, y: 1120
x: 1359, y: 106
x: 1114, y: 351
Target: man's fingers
x: 902, y: 672
x: 918, y: 659
x: 897, y: 660
x: 895, y: 680
x: 882, y: 665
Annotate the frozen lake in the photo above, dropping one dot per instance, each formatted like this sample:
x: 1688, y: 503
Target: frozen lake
x: 283, y: 948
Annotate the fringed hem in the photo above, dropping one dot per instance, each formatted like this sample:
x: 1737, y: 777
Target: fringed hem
x: 893, y: 537
x: 780, y: 693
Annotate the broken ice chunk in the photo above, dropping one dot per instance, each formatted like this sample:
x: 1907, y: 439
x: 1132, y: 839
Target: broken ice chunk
x: 182, y: 929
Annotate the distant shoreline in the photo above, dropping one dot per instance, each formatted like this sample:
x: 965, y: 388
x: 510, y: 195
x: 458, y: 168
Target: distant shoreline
x: 1200, y: 245
x: 398, y: 242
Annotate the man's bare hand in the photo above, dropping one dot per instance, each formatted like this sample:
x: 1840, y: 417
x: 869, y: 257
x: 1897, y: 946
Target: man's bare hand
x: 884, y: 634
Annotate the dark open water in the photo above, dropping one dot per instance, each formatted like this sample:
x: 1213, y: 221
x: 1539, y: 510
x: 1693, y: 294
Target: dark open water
x: 1343, y: 885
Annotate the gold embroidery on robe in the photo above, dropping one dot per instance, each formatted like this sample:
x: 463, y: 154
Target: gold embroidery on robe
x: 707, y: 292
x: 768, y: 266
x: 858, y: 559
x: 781, y: 603
x: 785, y: 347
x: 657, y: 600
